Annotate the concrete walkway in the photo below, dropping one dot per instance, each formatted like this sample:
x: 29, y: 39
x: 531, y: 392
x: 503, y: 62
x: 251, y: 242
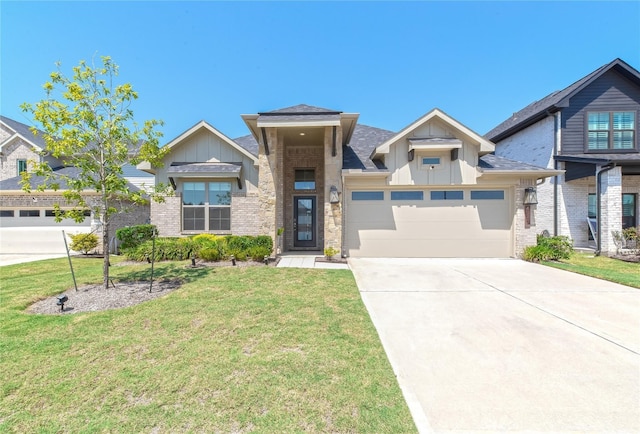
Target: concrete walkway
x: 307, y: 260
x: 506, y: 346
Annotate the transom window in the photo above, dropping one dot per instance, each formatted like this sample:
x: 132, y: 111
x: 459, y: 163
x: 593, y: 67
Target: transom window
x: 430, y: 161
x: 407, y: 195
x: 206, y: 206
x: 611, y: 130
x: 305, y: 179
x: 447, y: 195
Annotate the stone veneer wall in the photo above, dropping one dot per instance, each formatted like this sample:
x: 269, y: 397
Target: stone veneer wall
x: 332, y: 177
x: 270, y: 184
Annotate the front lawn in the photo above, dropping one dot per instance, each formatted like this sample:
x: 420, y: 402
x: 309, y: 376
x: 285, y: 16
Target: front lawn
x: 252, y: 349
x: 602, y: 267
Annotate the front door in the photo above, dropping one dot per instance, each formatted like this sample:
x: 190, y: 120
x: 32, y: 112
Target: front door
x: 304, y: 221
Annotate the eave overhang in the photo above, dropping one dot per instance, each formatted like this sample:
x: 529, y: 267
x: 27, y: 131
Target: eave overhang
x: 359, y: 173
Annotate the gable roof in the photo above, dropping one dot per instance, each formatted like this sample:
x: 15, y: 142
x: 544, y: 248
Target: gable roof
x: 207, y: 126
x: 557, y: 100
x: 485, y: 145
x: 23, y: 132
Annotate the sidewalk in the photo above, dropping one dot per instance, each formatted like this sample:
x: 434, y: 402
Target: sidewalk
x: 307, y: 260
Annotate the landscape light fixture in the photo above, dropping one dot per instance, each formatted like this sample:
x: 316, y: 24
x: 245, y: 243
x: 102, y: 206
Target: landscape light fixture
x: 61, y: 301
x: 530, y: 196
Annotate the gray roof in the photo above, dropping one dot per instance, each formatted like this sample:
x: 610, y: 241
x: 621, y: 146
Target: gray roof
x: 13, y: 184
x: 300, y: 109
x: 229, y: 168
x: 554, y: 101
x: 300, y: 112
x: 491, y: 162
x: 25, y: 131
x: 249, y: 143
x: 363, y: 141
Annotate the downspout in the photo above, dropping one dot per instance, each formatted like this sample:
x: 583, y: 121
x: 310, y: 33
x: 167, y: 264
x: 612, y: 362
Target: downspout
x: 599, y: 171
x: 555, y: 178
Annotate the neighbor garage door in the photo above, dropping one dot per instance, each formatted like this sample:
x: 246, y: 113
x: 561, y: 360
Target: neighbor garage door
x: 429, y: 223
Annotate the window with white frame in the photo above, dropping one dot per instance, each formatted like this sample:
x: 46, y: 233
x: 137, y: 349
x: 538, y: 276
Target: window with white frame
x: 611, y: 130
x: 206, y: 206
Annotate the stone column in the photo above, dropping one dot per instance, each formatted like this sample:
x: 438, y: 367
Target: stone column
x: 611, y: 211
x: 269, y: 180
x: 332, y: 177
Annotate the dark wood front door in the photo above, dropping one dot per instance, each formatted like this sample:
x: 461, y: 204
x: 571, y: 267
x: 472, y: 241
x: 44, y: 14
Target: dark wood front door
x: 304, y: 221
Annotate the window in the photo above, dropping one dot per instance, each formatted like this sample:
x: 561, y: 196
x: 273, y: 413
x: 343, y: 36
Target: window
x: 407, y: 195
x: 6, y: 213
x: 447, y: 195
x: 52, y: 213
x: 305, y: 179
x: 367, y: 195
x: 22, y: 166
x: 628, y: 210
x: 487, y: 194
x: 29, y: 213
x: 206, y: 206
x: 592, y: 207
x: 430, y: 161
x: 611, y: 130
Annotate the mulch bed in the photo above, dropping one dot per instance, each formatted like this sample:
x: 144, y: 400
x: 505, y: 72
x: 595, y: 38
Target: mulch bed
x: 92, y: 298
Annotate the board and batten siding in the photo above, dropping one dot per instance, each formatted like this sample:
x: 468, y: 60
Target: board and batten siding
x: 204, y: 146
x: 610, y: 92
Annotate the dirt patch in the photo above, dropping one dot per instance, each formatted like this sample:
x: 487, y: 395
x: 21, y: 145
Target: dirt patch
x: 92, y: 298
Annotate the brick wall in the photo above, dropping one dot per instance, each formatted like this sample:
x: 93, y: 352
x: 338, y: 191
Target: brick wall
x: 166, y: 216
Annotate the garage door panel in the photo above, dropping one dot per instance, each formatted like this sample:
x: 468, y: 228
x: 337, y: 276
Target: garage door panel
x: 429, y: 228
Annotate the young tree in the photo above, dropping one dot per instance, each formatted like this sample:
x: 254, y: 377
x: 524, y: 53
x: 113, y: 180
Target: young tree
x: 87, y: 123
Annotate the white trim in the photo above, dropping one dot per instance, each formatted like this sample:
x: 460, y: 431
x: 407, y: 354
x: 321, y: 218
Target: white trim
x: 319, y: 123
x: 485, y: 145
x: 20, y: 136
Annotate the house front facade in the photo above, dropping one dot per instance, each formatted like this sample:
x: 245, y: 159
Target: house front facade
x: 315, y: 178
x: 590, y: 131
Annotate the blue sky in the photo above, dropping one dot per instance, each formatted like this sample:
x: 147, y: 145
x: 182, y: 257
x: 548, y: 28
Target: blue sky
x: 389, y: 61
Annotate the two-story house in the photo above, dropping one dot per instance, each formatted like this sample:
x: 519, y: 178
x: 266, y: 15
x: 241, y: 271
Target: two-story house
x: 20, y: 147
x: 314, y: 178
x: 589, y: 130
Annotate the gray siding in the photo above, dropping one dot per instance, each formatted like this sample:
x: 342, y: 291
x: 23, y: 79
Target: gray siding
x: 609, y: 92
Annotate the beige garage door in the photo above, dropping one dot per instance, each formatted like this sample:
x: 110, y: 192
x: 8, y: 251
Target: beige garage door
x: 430, y: 223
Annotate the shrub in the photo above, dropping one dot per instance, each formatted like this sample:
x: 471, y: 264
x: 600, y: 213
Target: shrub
x: 166, y: 249
x: 257, y: 253
x: 549, y: 249
x: 210, y: 254
x: 330, y: 252
x: 83, y: 242
x: 133, y: 236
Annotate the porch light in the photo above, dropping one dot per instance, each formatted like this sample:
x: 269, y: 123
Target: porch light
x: 333, y: 194
x: 530, y: 196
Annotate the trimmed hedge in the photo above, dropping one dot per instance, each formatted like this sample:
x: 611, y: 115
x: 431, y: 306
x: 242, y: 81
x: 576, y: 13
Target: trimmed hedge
x: 206, y: 247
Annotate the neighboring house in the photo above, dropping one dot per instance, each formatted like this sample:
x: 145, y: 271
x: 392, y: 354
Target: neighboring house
x: 19, y: 148
x: 322, y: 180
x: 590, y: 130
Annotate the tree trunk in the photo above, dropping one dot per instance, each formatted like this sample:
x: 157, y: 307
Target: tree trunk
x: 105, y: 250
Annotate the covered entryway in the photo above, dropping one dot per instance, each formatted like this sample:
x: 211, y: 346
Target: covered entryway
x: 430, y: 223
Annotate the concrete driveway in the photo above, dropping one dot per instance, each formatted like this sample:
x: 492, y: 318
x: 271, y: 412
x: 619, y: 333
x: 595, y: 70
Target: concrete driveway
x: 492, y: 345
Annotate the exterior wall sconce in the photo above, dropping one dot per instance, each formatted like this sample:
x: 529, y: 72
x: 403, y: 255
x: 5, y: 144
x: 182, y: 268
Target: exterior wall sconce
x: 333, y: 194
x: 530, y: 196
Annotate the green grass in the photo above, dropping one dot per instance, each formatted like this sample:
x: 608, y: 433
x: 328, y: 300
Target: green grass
x: 255, y: 349
x: 602, y: 267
